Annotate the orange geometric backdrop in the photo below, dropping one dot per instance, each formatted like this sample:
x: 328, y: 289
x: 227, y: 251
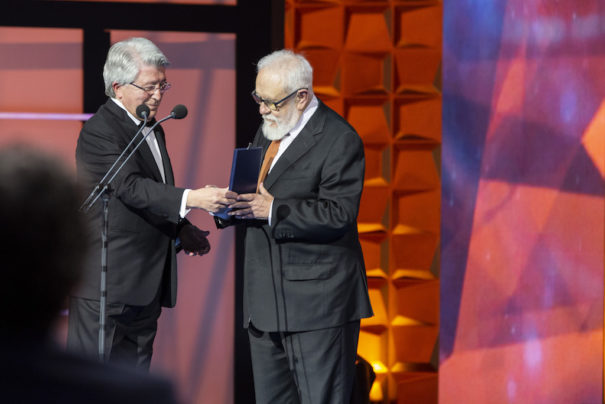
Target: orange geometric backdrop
x: 378, y: 65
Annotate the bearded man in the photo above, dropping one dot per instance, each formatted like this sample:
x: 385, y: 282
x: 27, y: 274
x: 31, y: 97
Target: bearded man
x: 305, y: 286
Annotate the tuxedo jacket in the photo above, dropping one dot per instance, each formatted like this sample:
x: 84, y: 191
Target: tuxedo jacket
x: 306, y: 270
x: 143, y: 213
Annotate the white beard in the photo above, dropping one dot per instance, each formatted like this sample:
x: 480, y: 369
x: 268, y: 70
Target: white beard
x: 276, y: 129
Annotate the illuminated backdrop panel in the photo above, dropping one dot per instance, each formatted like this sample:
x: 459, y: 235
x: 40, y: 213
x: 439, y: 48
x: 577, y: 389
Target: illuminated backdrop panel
x: 522, y: 202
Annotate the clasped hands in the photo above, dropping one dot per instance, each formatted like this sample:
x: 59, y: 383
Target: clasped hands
x: 252, y: 206
x: 213, y: 199
x: 244, y: 206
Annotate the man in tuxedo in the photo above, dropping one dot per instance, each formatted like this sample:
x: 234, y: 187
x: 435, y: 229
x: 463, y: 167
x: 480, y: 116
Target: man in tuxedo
x: 42, y: 247
x: 305, y: 287
x: 146, y: 213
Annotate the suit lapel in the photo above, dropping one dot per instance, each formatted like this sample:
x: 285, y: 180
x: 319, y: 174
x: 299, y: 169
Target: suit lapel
x: 159, y: 135
x: 150, y: 166
x: 299, y: 146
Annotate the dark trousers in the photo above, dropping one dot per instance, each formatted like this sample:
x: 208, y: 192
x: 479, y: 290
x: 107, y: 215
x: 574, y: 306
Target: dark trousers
x: 129, y: 330
x: 310, y: 367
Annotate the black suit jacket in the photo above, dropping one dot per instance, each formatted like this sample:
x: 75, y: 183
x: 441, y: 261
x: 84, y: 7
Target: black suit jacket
x: 306, y: 271
x: 143, y: 213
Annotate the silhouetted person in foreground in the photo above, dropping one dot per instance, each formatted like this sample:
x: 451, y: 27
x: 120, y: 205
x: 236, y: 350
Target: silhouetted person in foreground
x: 42, y: 247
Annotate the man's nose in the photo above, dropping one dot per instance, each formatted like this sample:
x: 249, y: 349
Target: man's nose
x: 157, y: 95
x: 263, y: 109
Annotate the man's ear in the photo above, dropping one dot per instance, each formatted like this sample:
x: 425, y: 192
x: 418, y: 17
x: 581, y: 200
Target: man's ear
x: 302, y: 99
x: 117, y: 89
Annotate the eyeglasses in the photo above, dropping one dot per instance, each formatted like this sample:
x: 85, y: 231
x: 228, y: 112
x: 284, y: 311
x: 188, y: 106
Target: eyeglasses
x: 163, y: 87
x: 273, y: 105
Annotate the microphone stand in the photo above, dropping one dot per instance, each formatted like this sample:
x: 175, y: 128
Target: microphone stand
x: 103, y: 189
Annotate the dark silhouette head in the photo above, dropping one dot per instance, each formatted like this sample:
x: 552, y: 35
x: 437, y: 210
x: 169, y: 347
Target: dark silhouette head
x: 42, y: 239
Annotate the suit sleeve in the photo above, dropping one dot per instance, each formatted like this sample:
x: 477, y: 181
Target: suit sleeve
x: 333, y: 212
x: 98, y: 148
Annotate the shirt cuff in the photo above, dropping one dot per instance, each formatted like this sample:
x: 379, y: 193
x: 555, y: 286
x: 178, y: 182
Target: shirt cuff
x: 270, y: 210
x: 183, y: 210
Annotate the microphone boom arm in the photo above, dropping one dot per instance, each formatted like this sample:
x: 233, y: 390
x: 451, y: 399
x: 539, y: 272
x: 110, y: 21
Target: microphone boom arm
x: 136, y: 147
x: 178, y: 112
x: 102, y: 185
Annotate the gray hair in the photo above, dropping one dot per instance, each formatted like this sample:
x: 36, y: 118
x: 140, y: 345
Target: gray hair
x: 125, y: 59
x: 295, y: 68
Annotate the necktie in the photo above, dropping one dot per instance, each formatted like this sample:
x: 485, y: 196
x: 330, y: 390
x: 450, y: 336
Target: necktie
x: 155, y: 150
x: 269, y: 156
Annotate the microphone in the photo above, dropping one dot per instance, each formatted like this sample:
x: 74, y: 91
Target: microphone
x: 143, y: 112
x: 179, y: 111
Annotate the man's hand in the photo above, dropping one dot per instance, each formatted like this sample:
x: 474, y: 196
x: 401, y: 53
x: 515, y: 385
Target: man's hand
x: 252, y: 206
x: 193, y: 240
x: 210, y: 198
